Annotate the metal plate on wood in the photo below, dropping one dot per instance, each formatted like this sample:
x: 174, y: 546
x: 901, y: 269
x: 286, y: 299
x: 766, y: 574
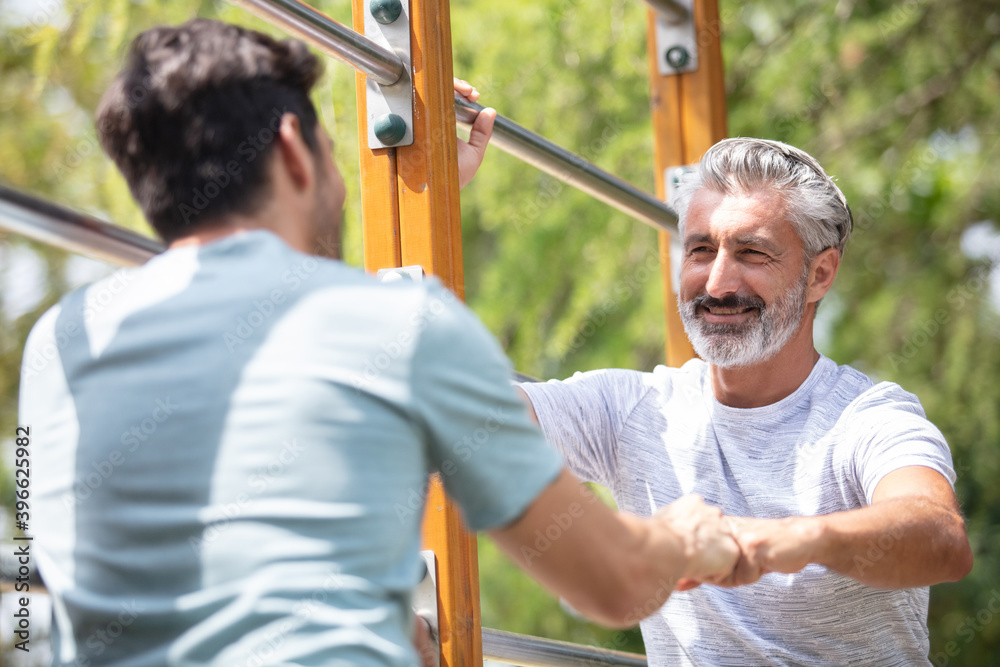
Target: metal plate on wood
x: 676, y: 43
x: 398, y: 98
x: 413, y: 274
x: 425, y: 600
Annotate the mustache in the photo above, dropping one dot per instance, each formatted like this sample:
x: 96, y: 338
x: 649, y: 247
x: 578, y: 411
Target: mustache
x: 729, y: 301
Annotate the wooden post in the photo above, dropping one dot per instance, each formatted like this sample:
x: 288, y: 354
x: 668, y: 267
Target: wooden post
x: 689, y: 116
x: 411, y: 215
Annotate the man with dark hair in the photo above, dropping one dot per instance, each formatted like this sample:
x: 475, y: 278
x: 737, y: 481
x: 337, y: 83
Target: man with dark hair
x: 232, y: 447
x: 844, y: 488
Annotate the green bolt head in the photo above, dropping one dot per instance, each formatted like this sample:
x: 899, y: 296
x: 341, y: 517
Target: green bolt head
x: 678, y: 57
x: 390, y: 129
x: 385, y: 11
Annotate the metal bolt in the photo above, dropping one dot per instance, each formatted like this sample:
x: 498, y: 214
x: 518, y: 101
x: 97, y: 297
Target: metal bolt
x: 678, y: 57
x: 390, y: 129
x: 385, y: 11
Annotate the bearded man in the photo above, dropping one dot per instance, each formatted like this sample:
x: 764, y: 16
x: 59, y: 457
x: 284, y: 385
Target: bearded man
x: 843, y: 488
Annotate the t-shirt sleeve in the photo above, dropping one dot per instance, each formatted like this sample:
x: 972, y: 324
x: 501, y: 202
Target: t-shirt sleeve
x: 893, y: 432
x: 582, y: 417
x: 493, y: 460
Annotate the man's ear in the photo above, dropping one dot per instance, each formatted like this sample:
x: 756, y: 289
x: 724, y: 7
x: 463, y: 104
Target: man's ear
x: 822, y: 270
x: 294, y: 153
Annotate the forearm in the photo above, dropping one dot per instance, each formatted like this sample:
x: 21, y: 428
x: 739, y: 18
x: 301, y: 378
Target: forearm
x: 898, y: 543
x: 609, y: 566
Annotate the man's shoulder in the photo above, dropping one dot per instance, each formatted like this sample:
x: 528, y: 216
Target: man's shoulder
x: 860, y: 392
x: 625, y: 387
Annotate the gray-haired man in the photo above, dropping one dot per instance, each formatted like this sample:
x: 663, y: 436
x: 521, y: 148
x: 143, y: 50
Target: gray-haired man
x: 843, y: 487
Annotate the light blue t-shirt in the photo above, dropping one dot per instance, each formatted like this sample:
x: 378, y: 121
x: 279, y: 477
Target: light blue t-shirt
x: 653, y: 437
x: 230, y: 451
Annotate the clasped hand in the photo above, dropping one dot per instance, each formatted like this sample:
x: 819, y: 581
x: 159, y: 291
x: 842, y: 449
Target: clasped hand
x: 735, y: 551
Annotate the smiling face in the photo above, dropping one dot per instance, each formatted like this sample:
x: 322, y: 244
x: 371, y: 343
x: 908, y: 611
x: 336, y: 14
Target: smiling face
x: 744, y: 277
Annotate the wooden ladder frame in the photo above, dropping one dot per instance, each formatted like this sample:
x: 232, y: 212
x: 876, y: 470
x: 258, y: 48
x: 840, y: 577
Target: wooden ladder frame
x: 410, y: 210
x: 411, y: 215
x: 689, y: 116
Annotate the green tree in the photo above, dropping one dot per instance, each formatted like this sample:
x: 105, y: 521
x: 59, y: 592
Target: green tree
x: 897, y: 99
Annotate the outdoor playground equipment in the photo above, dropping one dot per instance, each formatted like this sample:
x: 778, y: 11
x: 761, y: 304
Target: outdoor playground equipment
x: 410, y: 209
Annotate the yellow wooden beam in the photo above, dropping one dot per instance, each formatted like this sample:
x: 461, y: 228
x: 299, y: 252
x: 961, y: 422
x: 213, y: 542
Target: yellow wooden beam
x: 689, y: 116
x: 411, y: 216
x: 379, y: 201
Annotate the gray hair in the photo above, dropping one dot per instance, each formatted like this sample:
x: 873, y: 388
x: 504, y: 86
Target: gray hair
x: 815, y: 204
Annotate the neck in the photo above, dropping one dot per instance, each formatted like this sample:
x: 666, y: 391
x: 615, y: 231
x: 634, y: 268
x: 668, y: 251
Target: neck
x: 770, y: 381
x: 293, y: 235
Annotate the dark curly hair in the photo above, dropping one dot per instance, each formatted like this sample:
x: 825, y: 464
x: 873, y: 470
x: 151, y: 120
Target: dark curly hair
x: 191, y: 119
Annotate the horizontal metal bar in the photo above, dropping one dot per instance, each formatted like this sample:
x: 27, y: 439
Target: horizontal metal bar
x: 673, y: 11
x: 63, y: 228
x: 572, y: 169
x: 526, y: 651
x: 339, y: 41
x: 332, y: 38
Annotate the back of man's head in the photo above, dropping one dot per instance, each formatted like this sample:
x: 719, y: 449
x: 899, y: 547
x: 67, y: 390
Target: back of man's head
x: 740, y: 166
x: 191, y: 119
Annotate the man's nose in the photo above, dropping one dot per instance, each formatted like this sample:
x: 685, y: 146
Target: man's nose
x: 724, y: 276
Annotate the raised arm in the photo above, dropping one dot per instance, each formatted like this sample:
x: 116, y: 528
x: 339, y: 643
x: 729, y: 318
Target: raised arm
x: 472, y: 152
x: 615, y: 568
x: 527, y: 403
x: 911, y: 535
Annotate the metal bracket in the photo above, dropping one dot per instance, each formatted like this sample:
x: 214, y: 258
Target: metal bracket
x: 676, y: 42
x: 425, y: 601
x: 672, y: 178
x: 414, y: 273
x: 397, y: 99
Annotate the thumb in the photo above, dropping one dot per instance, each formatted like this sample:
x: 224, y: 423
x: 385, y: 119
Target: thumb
x: 482, y: 129
x: 685, y: 584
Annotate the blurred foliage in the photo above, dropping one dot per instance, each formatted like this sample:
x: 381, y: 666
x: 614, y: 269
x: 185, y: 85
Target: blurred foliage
x: 898, y: 99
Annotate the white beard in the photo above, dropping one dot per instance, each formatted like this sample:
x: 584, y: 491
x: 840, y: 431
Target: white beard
x: 754, y: 341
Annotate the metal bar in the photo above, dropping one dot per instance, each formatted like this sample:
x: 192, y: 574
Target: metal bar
x: 341, y: 42
x: 673, y: 11
x: 526, y: 651
x: 64, y: 228
x: 60, y: 227
x: 572, y: 169
x: 330, y: 37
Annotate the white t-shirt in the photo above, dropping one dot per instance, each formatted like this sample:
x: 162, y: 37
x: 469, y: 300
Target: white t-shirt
x: 653, y: 437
